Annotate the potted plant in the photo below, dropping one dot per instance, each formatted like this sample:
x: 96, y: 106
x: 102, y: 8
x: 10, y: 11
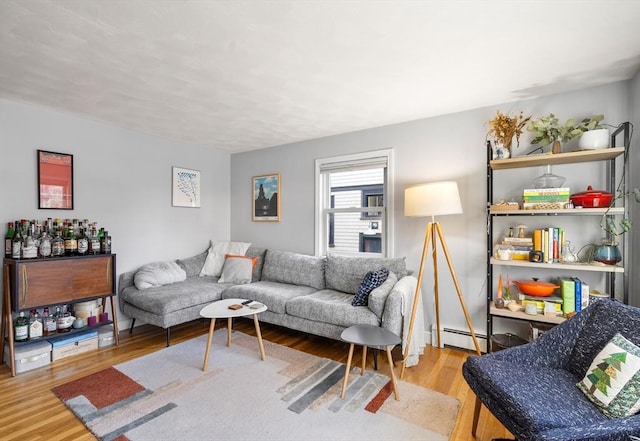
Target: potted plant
x: 547, y: 130
x: 594, y: 135
x: 503, y: 128
x: 607, y: 251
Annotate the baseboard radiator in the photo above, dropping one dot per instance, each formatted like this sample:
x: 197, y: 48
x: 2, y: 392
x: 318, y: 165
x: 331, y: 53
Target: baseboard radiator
x: 457, y: 338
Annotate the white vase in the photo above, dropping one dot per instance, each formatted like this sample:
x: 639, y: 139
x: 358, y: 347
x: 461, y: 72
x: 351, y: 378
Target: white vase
x: 594, y: 139
x: 499, y: 151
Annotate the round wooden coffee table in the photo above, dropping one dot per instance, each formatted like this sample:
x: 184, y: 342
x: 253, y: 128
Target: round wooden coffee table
x: 220, y: 309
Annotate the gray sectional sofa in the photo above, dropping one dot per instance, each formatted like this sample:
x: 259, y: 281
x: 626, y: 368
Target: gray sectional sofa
x: 312, y: 294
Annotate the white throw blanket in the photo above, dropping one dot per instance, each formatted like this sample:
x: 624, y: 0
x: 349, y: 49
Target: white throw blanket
x: 158, y: 273
x: 417, y: 344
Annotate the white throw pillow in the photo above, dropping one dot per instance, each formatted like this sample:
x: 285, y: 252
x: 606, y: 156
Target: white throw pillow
x: 237, y: 269
x: 215, y: 257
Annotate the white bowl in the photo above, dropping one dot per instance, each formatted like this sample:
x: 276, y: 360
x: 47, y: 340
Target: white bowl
x: 594, y: 139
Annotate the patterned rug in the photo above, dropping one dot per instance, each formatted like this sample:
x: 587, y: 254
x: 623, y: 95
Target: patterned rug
x: 289, y: 396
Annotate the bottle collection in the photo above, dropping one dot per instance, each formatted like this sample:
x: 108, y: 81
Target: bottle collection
x: 46, y: 323
x: 26, y: 239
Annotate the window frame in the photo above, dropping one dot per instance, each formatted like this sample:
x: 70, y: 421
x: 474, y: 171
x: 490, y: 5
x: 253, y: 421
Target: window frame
x: 323, y: 195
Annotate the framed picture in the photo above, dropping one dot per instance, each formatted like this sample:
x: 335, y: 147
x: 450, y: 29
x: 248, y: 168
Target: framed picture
x: 266, y: 198
x: 185, y: 187
x: 55, y: 180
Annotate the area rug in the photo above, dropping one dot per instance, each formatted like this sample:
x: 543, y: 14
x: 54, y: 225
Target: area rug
x: 289, y: 396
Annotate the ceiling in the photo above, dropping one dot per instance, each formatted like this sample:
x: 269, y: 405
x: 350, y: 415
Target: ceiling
x: 245, y: 75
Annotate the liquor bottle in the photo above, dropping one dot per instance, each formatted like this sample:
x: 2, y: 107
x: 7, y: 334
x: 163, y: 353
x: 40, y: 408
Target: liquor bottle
x: 29, y: 249
x: 44, y: 248
x: 94, y: 240
x: 70, y: 242
x: 63, y: 324
x: 8, y: 240
x: 17, y: 241
x: 57, y: 245
x: 83, y: 241
x: 35, y: 325
x: 49, y: 323
x: 105, y: 243
x: 21, y: 327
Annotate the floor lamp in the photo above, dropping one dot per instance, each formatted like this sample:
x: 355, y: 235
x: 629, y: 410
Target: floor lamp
x: 434, y: 199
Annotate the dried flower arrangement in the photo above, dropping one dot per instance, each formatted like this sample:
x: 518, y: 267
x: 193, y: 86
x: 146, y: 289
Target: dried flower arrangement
x: 503, y: 128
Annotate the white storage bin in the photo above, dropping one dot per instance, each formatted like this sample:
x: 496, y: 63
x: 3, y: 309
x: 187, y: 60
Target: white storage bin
x: 31, y: 356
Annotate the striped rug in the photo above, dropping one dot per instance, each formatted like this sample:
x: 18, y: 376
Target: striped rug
x: 289, y: 396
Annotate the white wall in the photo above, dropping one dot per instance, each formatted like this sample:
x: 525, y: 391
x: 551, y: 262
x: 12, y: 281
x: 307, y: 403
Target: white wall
x: 122, y: 180
x: 634, y: 170
x: 442, y: 148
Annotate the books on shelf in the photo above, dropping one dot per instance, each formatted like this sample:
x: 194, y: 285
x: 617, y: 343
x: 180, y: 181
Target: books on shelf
x: 575, y: 294
x: 545, y: 198
x: 550, y: 241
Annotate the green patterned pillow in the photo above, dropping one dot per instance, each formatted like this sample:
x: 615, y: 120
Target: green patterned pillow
x: 612, y: 382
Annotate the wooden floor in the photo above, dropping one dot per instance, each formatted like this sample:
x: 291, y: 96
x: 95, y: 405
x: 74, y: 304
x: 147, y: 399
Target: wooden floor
x: 30, y: 411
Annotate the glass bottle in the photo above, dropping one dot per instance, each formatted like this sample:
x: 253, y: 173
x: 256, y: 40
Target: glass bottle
x: 17, y: 241
x: 44, y: 249
x: 21, y: 328
x: 70, y: 242
x: 63, y: 324
x: 94, y: 241
x: 8, y: 238
x: 83, y: 241
x: 49, y: 323
x: 105, y: 243
x: 36, y: 328
x: 57, y: 245
x: 29, y: 249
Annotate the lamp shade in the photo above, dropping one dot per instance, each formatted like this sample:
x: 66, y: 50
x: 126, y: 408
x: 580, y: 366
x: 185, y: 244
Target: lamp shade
x: 432, y: 199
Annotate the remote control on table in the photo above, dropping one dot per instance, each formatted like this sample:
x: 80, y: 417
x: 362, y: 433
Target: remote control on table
x: 247, y: 302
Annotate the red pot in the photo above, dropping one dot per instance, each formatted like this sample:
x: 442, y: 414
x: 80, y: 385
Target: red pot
x: 592, y: 198
x: 535, y: 288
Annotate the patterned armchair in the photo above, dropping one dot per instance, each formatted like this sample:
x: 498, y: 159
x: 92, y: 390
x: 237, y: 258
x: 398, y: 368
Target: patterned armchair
x: 532, y: 389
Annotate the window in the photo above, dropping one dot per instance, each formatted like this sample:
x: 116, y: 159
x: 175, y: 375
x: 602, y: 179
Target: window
x: 353, y: 204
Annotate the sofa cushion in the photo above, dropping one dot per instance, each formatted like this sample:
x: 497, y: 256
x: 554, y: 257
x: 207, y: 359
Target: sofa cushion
x: 612, y: 381
x: 274, y: 295
x: 294, y: 268
x: 378, y: 297
x: 329, y: 306
x: 162, y: 300
x: 371, y: 281
x: 237, y: 269
x: 259, y: 253
x: 215, y: 256
x: 597, y: 332
x: 344, y: 273
x: 193, y: 265
x: 158, y: 274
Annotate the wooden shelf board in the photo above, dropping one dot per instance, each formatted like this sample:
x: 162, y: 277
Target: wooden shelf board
x: 520, y: 315
x: 559, y: 158
x: 596, y: 267
x: 562, y: 212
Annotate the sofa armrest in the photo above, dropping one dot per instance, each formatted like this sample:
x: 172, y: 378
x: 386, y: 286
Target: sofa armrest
x: 126, y: 280
x: 397, y: 313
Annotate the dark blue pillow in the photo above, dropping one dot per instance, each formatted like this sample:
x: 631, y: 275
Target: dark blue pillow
x: 371, y: 281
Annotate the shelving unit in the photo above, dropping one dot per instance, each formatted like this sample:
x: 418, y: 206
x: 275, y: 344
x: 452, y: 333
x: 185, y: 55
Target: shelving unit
x: 36, y: 283
x: 608, y: 158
